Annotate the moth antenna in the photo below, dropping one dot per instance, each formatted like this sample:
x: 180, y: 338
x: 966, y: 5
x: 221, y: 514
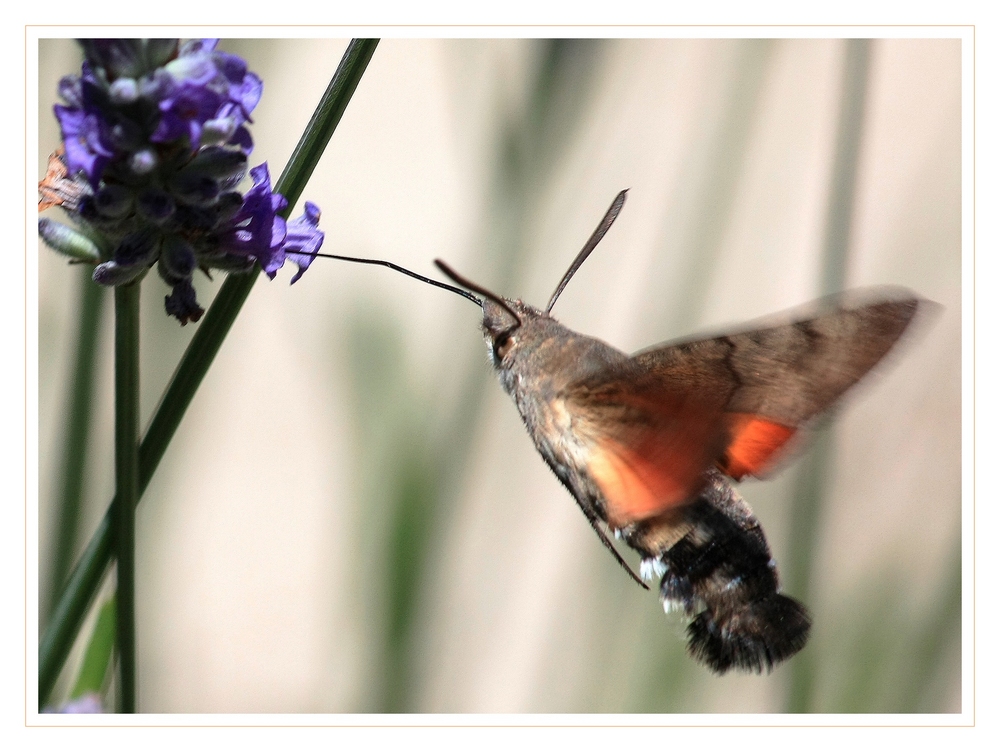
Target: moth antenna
x: 456, y: 277
x: 397, y: 268
x: 602, y: 228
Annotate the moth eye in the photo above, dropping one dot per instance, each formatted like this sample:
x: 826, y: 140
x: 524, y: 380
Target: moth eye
x: 502, y: 345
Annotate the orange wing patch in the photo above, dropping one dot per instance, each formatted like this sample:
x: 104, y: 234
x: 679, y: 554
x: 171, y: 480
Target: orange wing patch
x: 754, y: 443
x: 633, y: 488
x: 648, y: 477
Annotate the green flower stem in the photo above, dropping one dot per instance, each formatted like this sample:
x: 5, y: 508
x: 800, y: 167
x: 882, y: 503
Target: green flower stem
x: 74, y: 459
x: 86, y: 577
x: 126, y: 480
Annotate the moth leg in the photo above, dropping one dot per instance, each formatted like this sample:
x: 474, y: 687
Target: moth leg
x: 595, y: 523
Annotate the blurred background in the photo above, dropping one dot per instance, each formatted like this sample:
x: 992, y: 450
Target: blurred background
x: 351, y: 517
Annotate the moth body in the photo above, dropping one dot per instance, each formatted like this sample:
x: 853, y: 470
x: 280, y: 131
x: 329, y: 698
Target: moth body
x: 536, y: 363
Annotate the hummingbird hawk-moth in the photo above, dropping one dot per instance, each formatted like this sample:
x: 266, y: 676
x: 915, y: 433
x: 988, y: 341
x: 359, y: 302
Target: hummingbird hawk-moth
x: 648, y: 443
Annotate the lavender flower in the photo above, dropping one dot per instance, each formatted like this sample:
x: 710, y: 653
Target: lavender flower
x: 155, y: 144
x: 87, y: 703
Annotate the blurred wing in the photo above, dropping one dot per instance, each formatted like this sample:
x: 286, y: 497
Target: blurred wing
x: 647, y: 456
x: 656, y: 423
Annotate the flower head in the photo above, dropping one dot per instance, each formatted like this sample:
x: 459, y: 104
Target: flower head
x: 155, y: 145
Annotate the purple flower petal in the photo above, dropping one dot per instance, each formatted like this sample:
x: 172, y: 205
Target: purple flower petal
x: 304, y: 235
x: 183, y: 112
x: 87, y: 703
x: 71, y: 91
x: 241, y: 138
x: 257, y: 230
x: 85, y: 151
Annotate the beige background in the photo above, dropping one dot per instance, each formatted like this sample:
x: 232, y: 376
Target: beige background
x: 266, y: 543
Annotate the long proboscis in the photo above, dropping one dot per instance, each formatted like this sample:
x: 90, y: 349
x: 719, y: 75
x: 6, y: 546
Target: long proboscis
x: 609, y: 217
x: 459, y: 279
x: 395, y: 267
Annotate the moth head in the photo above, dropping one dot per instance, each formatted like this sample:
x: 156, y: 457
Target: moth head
x: 502, y: 318
x: 504, y: 326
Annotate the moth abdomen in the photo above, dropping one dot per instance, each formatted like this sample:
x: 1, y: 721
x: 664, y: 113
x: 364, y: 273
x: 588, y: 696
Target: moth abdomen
x: 755, y: 637
x: 721, y: 573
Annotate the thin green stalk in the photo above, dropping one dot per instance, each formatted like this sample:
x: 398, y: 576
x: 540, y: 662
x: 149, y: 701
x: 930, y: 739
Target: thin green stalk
x: 126, y: 480
x: 74, y: 459
x: 86, y: 577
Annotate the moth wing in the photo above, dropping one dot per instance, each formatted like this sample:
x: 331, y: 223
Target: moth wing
x: 659, y: 420
x: 651, y: 435
x: 783, y: 376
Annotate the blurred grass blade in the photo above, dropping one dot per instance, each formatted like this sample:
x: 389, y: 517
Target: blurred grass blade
x: 935, y: 637
x: 74, y: 460
x: 722, y: 173
x: 97, y: 658
x: 83, y: 582
x: 811, y: 480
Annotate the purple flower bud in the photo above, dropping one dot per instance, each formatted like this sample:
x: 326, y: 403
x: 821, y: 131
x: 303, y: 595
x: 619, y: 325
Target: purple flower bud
x: 112, y: 274
x: 68, y: 241
x: 117, y: 57
x: 160, y: 51
x: 124, y: 136
x: 227, y: 207
x: 216, y: 162
x: 113, y: 201
x: 182, y: 303
x: 155, y: 86
x: 177, y: 260
x: 138, y: 248
x: 199, y: 190
x: 218, y: 130
x: 156, y: 205
x: 143, y: 162
x: 124, y: 91
x: 242, y: 139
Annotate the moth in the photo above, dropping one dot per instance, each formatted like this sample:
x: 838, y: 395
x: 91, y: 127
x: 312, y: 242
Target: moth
x: 57, y: 188
x: 648, y: 444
